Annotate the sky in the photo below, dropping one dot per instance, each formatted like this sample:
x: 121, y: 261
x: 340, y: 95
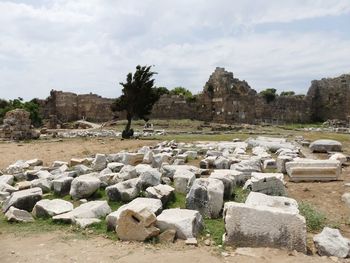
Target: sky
x: 85, y: 46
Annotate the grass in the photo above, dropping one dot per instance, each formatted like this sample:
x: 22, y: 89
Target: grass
x: 216, y: 229
x: 179, y: 201
x: 240, y: 194
x: 315, y: 220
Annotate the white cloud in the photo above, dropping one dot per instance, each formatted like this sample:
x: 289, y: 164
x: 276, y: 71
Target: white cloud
x: 89, y: 45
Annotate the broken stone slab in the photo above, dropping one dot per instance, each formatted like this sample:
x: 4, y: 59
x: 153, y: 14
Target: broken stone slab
x: 137, y: 225
x: 163, y: 192
x: 271, y: 144
x: 339, y: 157
x: 170, y: 170
x: 206, y: 196
x: 301, y: 169
x: 222, y: 163
x: 160, y: 158
x: 324, y: 146
x: 330, y: 242
x: 154, y: 205
x: 3, y: 196
x: 187, y: 223
x: 17, y: 215
x: 24, y: 200
x: 57, y: 164
x: 248, y: 166
x: 84, y: 186
x: 81, y: 169
x: 149, y: 177
x: 227, y: 179
x: 124, y: 191
x: 49, y: 208
x: 7, y: 179
x: 281, y: 163
x: 266, y: 183
x: 16, y: 168
x: 99, y: 163
x: 86, y: 222
x: 281, y: 202
x: 23, y: 185
x: 92, y: 209
x: 107, y: 179
x: 44, y: 184
x: 115, y: 166
x: 262, y: 226
x: 132, y: 158
x: 7, y: 188
x: 76, y: 161
x: 183, y: 180
x: 61, y: 186
x: 191, y: 154
x: 34, y: 162
x: 168, y: 236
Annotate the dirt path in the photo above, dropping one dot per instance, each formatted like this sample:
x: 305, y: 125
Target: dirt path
x: 62, y: 247
x: 64, y: 150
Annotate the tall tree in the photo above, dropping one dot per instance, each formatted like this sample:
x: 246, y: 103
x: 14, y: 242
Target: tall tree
x: 138, y: 96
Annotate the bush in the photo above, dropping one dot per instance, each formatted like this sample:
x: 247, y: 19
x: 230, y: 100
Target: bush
x: 315, y: 220
x: 269, y: 95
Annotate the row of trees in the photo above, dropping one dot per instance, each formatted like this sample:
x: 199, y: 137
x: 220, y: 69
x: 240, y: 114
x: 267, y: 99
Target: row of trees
x: 271, y: 94
x: 32, y: 107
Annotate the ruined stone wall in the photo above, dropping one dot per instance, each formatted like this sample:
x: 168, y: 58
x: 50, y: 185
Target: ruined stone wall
x: 329, y: 98
x: 225, y: 99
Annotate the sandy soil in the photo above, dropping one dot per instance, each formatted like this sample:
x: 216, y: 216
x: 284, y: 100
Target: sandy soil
x: 64, y: 150
x: 61, y: 247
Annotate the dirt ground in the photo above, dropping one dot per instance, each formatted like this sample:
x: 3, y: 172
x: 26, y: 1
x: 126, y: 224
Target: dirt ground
x: 65, y: 247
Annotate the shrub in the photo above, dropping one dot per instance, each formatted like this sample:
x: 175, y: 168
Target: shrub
x: 315, y: 220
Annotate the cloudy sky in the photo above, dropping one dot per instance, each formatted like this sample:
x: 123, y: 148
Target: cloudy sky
x: 90, y: 45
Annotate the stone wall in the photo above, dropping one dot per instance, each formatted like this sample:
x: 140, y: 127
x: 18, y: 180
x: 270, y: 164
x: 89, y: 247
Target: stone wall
x: 224, y: 99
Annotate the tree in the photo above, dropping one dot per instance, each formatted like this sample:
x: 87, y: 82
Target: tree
x: 287, y: 93
x: 138, y: 97
x: 269, y: 95
x: 187, y: 94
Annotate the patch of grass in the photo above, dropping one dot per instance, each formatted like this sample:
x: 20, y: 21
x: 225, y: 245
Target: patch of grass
x: 216, y: 229
x: 240, y: 194
x: 179, y: 201
x: 315, y: 220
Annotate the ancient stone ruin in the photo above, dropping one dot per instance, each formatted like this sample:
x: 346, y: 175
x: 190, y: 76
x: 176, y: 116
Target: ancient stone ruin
x: 17, y: 126
x: 224, y: 99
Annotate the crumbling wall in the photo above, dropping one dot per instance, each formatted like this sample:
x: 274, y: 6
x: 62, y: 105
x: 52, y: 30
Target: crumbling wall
x: 329, y: 98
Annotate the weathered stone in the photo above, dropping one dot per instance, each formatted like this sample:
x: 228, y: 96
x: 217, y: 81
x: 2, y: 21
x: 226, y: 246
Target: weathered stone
x: 160, y: 158
x: 44, y: 184
x: 23, y: 185
x: 346, y: 199
x: 86, y: 222
x: 115, y: 166
x: 57, y: 164
x: 281, y: 202
x: 49, y: 208
x: 255, y: 226
x: 269, y: 143
x: 92, y: 209
x: 154, y: 205
x: 150, y: 177
x: 126, y: 173
x: 16, y: 168
x: 266, y: 183
x: 313, y: 170
x: 206, y: 196
x: 138, y: 225
x: 7, y: 179
x: 84, y: 186
x: 81, y: 169
x: 247, y: 166
x: 99, y: 163
x: 124, y: 191
x: 7, y: 188
x: 163, y: 192
x: 331, y: 243
x: 24, y: 200
x: 61, y: 186
x: 222, y: 163
x: 132, y: 158
x: 187, y: 223
x: 324, y: 146
x: 339, y: 157
x: 168, y: 236
x: 183, y: 180
x: 77, y: 161
x: 226, y: 179
x: 281, y: 163
x: 17, y: 215
x: 34, y: 162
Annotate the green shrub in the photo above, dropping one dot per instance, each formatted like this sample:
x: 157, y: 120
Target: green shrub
x: 315, y: 220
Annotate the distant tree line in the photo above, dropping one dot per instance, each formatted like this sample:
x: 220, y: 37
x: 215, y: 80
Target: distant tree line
x: 271, y: 94
x: 32, y: 107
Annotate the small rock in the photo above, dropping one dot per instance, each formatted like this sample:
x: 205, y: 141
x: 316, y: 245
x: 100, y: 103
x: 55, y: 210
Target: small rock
x: 168, y: 236
x: 191, y: 241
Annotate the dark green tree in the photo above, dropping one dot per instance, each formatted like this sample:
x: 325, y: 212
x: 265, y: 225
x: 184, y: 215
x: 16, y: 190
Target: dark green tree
x: 138, y: 97
x: 287, y: 93
x: 269, y: 95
